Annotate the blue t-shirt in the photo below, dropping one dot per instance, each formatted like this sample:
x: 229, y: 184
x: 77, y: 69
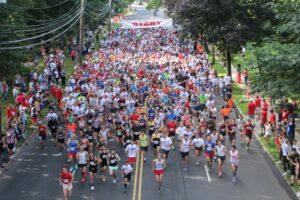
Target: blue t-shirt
x: 209, y: 146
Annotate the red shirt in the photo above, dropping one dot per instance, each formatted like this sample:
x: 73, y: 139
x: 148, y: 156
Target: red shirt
x: 66, y: 178
x: 273, y: 119
x: 172, y: 126
x: 265, y: 105
x: 42, y: 129
x: 251, y: 108
x: 264, y: 116
x: 248, y: 129
x: 53, y: 90
x: 134, y: 117
x: 8, y: 112
x: 258, y: 102
x: 59, y: 94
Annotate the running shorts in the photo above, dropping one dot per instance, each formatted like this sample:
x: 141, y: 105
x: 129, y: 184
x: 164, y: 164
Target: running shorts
x: 145, y: 149
x: 184, y: 154
x: 131, y: 160
x: 113, y: 168
x: 158, y: 172
x: 210, y: 154
x: 222, y: 158
x: 72, y: 154
x: 128, y: 176
x: 68, y: 186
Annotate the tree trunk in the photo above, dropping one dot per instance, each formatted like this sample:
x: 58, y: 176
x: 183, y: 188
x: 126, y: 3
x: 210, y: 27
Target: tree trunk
x: 213, y: 55
x: 228, y: 59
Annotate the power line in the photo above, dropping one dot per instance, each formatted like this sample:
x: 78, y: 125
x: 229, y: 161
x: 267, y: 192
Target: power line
x: 34, y: 8
x: 47, y: 33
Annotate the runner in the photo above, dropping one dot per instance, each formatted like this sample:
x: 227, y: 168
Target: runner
x: 113, y: 160
x: 66, y: 179
x: 60, y: 139
x: 159, y: 165
x: 165, y: 145
x: 126, y: 173
x: 240, y: 124
x: 198, y: 144
x: 248, y: 131
x: 144, y: 141
x: 73, y: 145
x: 184, y: 147
x: 103, y: 157
x: 42, y: 132
x: 209, y: 147
x: 132, y: 152
x: 93, y: 169
x: 220, y: 152
x: 155, y: 142
x: 231, y: 130
x: 82, y: 157
x: 234, y: 161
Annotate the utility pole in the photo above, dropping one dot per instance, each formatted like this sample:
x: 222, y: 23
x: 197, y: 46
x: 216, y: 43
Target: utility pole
x: 81, y: 25
x: 109, y: 20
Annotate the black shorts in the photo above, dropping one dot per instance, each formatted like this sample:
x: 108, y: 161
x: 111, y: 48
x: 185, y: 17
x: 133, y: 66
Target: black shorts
x: 248, y: 136
x: 231, y: 137
x: 10, y: 146
x: 222, y: 158
x: 81, y: 165
x: 184, y: 154
x: 171, y: 134
x: 103, y: 164
x: 223, y: 133
x: 97, y: 129
x: 43, y: 137
x: 127, y: 176
x: 293, y: 170
x: 166, y: 152
x: 93, y: 170
x: 135, y: 137
x: 61, y: 141
x: 145, y: 149
x: 199, y: 148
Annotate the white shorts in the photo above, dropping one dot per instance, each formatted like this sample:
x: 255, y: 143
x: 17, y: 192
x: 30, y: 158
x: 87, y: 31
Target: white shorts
x: 235, y: 163
x: 68, y: 186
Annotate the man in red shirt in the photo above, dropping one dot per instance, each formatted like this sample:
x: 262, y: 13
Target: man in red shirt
x: 251, y: 109
x: 231, y: 131
x: 273, y: 118
x: 264, y: 119
x: 59, y: 94
x: 66, y: 179
x: 258, y: 105
x: 265, y: 105
x: 248, y: 131
x: 171, y: 128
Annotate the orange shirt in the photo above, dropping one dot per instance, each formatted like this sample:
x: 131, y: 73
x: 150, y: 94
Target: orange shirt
x: 73, y: 127
x: 225, y: 111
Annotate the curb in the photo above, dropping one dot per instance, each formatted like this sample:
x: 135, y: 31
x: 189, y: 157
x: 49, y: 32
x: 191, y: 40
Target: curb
x: 277, y: 172
x: 25, y: 143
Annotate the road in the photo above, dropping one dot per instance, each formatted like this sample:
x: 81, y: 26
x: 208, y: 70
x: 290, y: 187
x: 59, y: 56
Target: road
x: 34, y: 176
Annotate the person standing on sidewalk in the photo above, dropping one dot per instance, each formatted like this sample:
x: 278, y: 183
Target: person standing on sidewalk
x: 285, y: 152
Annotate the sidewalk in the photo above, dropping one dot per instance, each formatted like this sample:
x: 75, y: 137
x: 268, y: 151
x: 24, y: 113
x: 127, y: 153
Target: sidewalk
x: 266, y: 144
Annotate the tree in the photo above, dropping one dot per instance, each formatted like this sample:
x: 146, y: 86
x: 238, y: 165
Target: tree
x: 154, y: 5
x: 278, y: 60
x: 227, y: 23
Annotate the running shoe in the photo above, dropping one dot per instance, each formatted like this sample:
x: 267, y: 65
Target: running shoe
x: 103, y: 179
x: 197, y: 163
x: 114, y: 181
x: 71, y: 169
x: 76, y: 166
x: 185, y: 169
x: 83, y: 180
x: 92, y: 187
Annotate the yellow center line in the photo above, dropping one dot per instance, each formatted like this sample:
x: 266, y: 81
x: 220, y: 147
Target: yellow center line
x: 135, y: 177
x: 141, y: 176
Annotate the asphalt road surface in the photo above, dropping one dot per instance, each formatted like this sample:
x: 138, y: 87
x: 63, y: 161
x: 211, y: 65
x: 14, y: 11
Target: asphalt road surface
x: 33, y: 175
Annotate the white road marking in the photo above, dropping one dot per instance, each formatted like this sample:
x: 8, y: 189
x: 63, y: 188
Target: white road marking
x: 207, y: 174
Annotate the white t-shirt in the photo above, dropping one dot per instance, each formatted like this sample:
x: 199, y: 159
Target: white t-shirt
x: 198, y: 142
x: 126, y: 169
x: 132, y: 150
x: 166, y: 143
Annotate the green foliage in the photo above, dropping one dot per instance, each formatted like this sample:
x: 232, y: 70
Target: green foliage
x: 278, y: 60
x: 227, y: 23
x: 154, y: 4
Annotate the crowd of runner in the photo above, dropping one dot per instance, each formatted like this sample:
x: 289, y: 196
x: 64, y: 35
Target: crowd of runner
x: 146, y: 90
x: 143, y: 91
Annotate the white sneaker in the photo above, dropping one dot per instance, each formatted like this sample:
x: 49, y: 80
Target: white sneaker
x: 284, y: 173
x: 114, y: 181
x: 92, y: 187
x: 298, y: 194
x: 197, y: 163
